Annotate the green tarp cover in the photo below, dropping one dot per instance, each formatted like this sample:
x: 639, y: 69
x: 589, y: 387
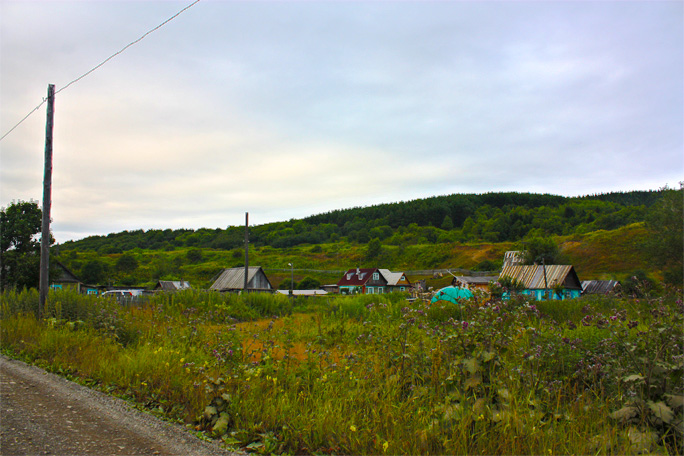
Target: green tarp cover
x: 452, y: 294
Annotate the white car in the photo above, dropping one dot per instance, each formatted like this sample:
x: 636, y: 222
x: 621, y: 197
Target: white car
x: 123, y: 294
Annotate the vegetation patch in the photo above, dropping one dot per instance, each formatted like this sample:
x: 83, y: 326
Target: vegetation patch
x: 375, y: 374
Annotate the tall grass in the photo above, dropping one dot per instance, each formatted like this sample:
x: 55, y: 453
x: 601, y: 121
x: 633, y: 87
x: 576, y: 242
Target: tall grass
x: 375, y: 374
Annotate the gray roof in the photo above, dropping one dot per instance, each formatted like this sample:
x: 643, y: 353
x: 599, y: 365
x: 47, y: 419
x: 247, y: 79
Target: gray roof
x: 173, y: 285
x: 599, y: 286
x: 392, y: 278
x: 481, y: 280
x: 234, y: 279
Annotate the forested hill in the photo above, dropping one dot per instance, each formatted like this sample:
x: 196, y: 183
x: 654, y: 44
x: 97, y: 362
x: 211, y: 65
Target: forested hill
x: 491, y: 217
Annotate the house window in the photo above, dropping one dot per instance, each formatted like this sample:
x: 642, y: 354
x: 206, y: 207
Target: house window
x: 369, y: 290
x: 402, y: 288
x: 376, y: 276
x: 349, y: 276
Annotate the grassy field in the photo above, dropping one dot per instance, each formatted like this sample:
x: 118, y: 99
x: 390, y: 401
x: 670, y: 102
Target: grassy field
x: 597, y: 255
x: 375, y: 374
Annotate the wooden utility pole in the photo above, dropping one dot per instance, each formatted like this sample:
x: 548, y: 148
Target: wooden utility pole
x: 47, y: 203
x: 245, y: 289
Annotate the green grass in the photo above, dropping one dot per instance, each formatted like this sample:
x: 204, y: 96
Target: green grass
x: 373, y: 374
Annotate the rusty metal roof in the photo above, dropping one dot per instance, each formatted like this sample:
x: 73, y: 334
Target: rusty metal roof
x: 532, y: 276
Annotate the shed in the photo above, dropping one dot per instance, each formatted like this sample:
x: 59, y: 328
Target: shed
x: 540, y: 279
x: 475, y: 282
x: 233, y: 279
x: 172, y: 285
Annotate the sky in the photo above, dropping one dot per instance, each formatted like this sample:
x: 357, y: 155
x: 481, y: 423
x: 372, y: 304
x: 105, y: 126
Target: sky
x: 286, y: 109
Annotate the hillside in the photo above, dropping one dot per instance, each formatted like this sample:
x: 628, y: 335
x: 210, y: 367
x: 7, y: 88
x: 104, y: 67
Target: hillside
x: 603, y: 236
x: 596, y: 255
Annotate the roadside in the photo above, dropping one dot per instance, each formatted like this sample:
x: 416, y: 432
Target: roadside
x: 43, y: 414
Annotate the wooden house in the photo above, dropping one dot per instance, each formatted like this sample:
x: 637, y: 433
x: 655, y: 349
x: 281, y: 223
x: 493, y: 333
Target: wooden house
x: 66, y: 279
x: 233, y: 280
x: 372, y: 281
x: 551, y: 281
x: 362, y: 281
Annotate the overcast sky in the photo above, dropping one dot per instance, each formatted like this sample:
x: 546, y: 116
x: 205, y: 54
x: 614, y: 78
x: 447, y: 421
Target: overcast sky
x: 292, y: 108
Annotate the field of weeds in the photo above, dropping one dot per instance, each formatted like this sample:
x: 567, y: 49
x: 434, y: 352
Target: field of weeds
x: 377, y: 374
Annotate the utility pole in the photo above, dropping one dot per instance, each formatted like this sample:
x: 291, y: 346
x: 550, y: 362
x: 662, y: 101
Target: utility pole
x: 546, y: 284
x: 47, y: 203
x: 245, y: 289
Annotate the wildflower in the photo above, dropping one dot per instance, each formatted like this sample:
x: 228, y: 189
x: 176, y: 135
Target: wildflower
x: 385, y: 446
x: 352, y: 428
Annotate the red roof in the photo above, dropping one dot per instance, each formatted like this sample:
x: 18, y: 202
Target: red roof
x: 356, y: 277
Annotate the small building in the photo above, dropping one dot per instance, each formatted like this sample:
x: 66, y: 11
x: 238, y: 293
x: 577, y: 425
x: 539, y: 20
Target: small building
x: 172, y: 285
x: 551, y: 281
x: 603, y: 287
x: 233, y: 280
x: 473, y: 283
x: 330, y: 288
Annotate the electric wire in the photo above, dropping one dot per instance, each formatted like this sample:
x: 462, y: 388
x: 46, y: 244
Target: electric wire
x: 103, y: 62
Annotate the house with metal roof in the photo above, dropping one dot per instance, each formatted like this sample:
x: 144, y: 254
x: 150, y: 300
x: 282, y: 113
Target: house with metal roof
x: 551, y: 281
x: 233, y: 280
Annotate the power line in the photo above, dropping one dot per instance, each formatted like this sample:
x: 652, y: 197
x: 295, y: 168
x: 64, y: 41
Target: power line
x: 103, y: 62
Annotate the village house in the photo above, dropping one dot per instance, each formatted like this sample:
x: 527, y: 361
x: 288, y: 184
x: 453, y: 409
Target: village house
x: 372, y: 281
x: 233, y: 280
x: 551, y: 281
x: 67, y: 280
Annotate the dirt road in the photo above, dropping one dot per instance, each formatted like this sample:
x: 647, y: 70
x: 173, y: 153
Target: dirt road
x: 43, y: 414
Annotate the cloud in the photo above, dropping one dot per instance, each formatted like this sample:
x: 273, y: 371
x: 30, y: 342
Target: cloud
x: 285, y: 109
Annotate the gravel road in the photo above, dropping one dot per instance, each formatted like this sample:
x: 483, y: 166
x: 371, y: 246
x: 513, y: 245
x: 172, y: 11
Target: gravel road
x: 43, y: 414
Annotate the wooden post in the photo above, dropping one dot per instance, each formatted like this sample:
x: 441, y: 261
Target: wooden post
x: 245, y: 288
x: 47, y: 203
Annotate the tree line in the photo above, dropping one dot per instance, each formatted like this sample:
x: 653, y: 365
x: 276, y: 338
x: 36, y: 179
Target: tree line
x: 489, y: 217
